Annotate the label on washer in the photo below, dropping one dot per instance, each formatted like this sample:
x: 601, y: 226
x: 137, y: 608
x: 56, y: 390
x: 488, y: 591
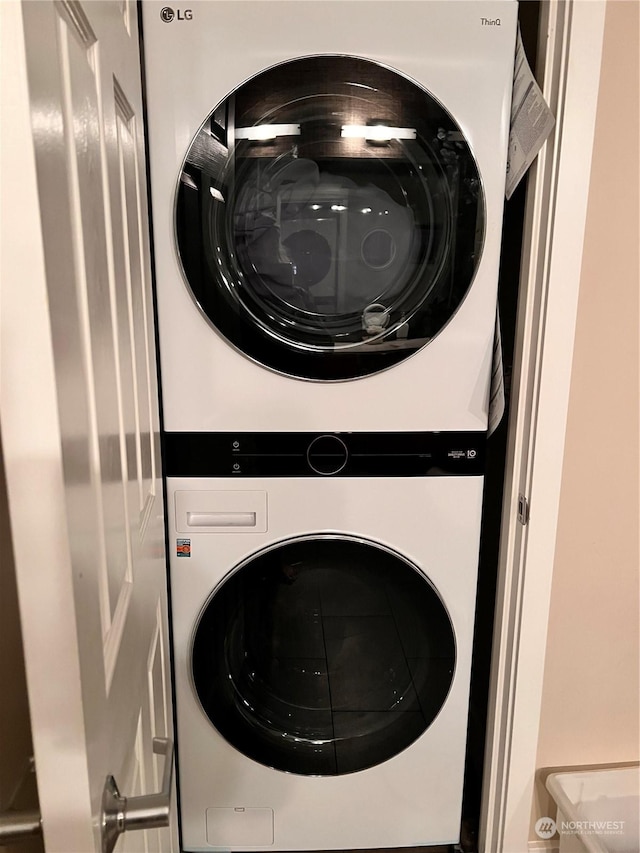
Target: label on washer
x: 470, y: 453
x: 183, y: 547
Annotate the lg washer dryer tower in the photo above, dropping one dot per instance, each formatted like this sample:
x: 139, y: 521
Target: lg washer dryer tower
x: 327, y: 185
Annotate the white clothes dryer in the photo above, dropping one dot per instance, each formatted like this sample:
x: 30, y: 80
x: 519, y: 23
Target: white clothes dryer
x: 322, y: 633
x: 327, y: 185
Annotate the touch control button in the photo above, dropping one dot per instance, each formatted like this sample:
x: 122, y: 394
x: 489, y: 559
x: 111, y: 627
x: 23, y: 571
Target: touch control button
x: 327, y: 454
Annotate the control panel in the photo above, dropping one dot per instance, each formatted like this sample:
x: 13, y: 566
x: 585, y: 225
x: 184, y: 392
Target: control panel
x: 355, y: 454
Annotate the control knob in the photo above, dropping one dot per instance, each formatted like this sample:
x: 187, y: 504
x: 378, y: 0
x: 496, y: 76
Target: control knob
x: 327, y: 454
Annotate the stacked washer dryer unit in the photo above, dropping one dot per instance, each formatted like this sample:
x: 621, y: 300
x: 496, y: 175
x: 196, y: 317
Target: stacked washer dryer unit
x: 327, y: 185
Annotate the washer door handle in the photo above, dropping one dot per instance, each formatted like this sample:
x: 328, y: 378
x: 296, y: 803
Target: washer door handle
x: 122, y: 814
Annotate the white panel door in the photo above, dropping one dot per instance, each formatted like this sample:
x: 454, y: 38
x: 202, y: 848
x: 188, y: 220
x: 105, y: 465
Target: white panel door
x: 80, y: 413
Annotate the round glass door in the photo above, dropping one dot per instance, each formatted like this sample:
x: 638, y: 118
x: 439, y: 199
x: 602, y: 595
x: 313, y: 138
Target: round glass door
x: 329, y: 217
x: 323, y: 656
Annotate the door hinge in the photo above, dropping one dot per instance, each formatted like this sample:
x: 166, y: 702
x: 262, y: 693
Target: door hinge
x: 523, y: 509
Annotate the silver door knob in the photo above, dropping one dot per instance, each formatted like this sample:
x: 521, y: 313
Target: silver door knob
x: 123, y: 814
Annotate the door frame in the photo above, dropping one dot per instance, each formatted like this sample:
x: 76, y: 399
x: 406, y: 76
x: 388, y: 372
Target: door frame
x: 569, y: 57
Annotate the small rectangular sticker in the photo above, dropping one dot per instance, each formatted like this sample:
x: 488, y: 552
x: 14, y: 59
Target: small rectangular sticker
x: 183, y: 547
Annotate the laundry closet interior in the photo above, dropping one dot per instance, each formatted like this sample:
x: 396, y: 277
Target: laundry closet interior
x: 331, y: 243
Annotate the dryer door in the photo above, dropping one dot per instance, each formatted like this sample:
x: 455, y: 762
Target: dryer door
x: 329, y: 217
x: 323, y: 655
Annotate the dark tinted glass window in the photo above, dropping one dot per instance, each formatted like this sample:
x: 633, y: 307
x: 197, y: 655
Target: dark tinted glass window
x: 323, y: 656
x: 329, y: 217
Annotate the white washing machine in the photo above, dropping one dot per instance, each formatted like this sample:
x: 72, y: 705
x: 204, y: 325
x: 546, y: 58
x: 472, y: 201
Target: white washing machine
x: 322, y: 630
x: 327, y: 185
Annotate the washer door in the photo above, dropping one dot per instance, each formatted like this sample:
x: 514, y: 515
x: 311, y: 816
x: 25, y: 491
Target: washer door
x: 329, y: 217
x: 323, y: 656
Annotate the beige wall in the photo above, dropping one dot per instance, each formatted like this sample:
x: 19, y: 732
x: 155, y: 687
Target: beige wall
x: 590, y: 705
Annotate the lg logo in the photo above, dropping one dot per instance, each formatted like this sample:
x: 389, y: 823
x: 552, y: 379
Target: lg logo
x: 167, y: 14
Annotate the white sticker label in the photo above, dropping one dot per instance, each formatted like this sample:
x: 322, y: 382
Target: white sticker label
x: 531, y: 121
